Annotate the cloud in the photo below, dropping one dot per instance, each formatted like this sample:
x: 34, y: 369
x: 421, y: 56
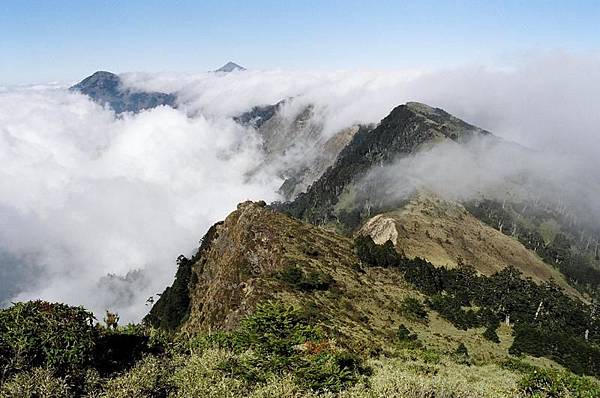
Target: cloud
x: 486, y: 167
x: 546, y: 102
x: 85, y: 194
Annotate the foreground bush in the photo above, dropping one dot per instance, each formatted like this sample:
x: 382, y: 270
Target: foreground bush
x: 275, y: 340
x: 46, y: 345
x: 41, y: 334
x: 275, y: 352
x: 39, y: 383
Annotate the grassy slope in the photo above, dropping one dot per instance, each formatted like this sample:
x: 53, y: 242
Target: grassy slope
x: 444, y: 232
x: 363, y: 308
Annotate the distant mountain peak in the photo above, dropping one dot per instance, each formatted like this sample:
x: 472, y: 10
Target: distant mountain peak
x: 98, y: 79
x: 230, y: 67
x: 107, y: 88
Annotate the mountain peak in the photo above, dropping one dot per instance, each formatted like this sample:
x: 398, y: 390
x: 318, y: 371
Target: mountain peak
x: 230, y: 67
x: 99, y: 79
x: 107, y: 88
x: 404, y: 131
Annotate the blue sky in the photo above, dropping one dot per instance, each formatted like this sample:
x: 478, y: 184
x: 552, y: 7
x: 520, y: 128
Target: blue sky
x: 42, y: 41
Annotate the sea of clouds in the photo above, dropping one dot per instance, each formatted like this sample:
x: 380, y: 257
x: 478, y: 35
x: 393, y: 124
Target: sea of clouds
x: 95, y: 207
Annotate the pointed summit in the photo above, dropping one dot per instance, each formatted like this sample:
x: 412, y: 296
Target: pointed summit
x: 230, y: 67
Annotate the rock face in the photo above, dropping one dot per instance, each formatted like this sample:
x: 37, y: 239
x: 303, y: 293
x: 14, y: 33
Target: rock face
x: 107, y: 89
x: 324, y: 158
x: 258, y: 115
x: 406, y: 129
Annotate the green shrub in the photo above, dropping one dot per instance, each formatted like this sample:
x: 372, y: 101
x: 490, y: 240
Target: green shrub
x: 35, y: 383
x: 550, y: 383
x: 405, y: 335
x: 326, y: 371
x: 449, y: 307
x: 50, y: 335
x: 274, y: 329
x: 490, y: 334
x: 376, y: 255
x: 150, y: 377
x: 462, y: 354
x: 244, y: 368
x: 292, y: 275
x: 277, y: 340
x: 413, y: 309
x: 306, y: 281
x: 462, y: 350
x: 310, y: 250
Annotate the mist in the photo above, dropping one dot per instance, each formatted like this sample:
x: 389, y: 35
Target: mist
x: 85, y: 194
x: 95, y: 208
x: 490, y: 168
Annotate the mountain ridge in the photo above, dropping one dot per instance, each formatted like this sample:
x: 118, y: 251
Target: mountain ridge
x: 402, y: 132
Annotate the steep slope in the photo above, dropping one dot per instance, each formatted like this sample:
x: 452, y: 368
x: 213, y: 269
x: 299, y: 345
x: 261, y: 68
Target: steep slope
x: 406, y: 129
x: 446, y: 234
x: 248, y: 259
x: 294, y: 142
x: 325, y: 157
x: 107, y: 89
x: 246, y: 262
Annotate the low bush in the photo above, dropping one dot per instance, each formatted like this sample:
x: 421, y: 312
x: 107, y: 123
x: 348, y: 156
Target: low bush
x: 38, y: 383
x: 549, y: 383
x: 405, y: 335
x: 276, y: 340
x: 41, y: 334
x: 327, y: 372
x: 490, y: 333
x: 412, y: 309
x: 150, y: 377
x: 306, y: 281
x: 376, y: 255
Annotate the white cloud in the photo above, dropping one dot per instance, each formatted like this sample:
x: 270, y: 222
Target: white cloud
x: 486, y: 167
x: 89, y: 194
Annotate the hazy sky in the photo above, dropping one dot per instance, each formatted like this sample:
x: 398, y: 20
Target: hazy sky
x: 43, y: 41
